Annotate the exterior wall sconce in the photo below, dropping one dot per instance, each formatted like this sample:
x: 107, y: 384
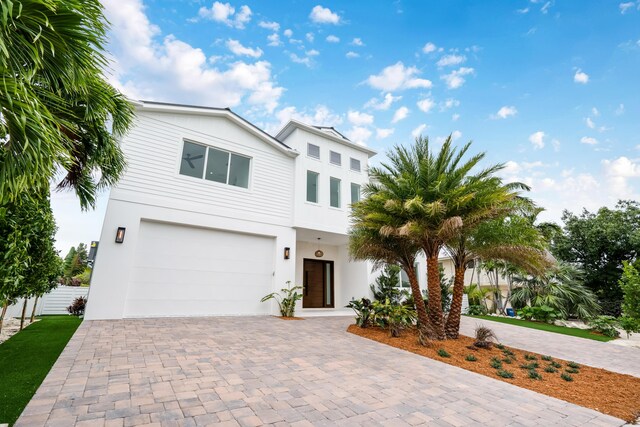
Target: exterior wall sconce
x: 287, y: 253
x: 120, y: 234
x: 319, y: 253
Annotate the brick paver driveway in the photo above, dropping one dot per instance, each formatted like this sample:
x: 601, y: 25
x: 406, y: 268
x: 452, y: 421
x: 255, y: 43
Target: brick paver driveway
x: 262, y: 370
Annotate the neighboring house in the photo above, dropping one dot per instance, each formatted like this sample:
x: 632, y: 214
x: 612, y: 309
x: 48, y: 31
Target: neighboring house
x: 213, y: 213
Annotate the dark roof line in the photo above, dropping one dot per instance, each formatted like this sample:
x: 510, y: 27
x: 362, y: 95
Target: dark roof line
x: 220, y: 109
x: 333, y: 129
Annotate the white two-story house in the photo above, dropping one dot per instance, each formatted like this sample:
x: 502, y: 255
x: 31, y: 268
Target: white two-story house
x: 213, y: 213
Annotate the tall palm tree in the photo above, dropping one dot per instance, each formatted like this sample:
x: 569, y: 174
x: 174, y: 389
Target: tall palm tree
x: 57, y: 109
x: 428, y: 195
x: 366, y: 242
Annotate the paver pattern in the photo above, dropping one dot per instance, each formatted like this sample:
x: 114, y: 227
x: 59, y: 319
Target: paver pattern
x: 598, y: 354
x: 250, y: 371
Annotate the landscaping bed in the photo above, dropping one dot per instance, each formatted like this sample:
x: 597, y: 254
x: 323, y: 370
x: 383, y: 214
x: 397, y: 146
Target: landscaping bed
x: 604, y: 391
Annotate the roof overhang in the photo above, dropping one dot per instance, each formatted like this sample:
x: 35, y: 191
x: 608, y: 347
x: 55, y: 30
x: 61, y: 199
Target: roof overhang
x: 152, y: 106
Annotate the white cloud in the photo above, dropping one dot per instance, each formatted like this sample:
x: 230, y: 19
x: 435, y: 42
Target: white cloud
x: 226, y: 14
x: 398, y: 77
x: 274, y: 40
x: 287, y: 33
x: 617, y: 173
x: 418, y: 130
x: 522, y: 11
x: 452, y: 59
x: 310, y: 37
x: 359, y: 135
x: 590, y: 124
x: 148, y: 67
x: 359, y: 119
x: 305, y: 60
x: 383, y: 104
x: 537, y: 139
x: 556, y: 145
x: 357, y: 42
x: 312, y: 52
x: 626, y: 6
x: 449, y: 103
x: 273, y: 26
x: 455, y: 117
x: 429, y: 47
x: 384, y: 133
x: 581, y: 77
x: 352, y: 55
x: 455, y: 79
x: 620, y: 110
x: 545, y: 8
x: 505, y: 112
x: 238, y: 49
x: 426, y: 104
x: 324, y: 15
x: 455, y: 135
x: 595, y: 112
x: 588, y: 140
x: 319, y: 116
x: 400, y: 114
x: 332, y: 39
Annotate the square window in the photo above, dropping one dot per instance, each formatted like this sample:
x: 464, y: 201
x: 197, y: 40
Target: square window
x: 313, y: 151
x: 312, y: 187
x: 334, y: 190
x: 355, y: 192
x: 192, y: 163
x: 355, y: 165
x: 239, y: 171
x: 217, y: 166
x: 335, y: 158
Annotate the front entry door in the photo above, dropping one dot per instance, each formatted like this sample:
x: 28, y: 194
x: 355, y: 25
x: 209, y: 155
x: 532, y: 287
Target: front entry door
x: 317, y: 284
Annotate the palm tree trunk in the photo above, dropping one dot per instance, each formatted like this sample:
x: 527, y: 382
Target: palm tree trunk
x: 435, y: 299
x: 5, y: 306
x: 421, y: 310
x: 24, y: 312
x: 33, y: 312
x: 452, y: 327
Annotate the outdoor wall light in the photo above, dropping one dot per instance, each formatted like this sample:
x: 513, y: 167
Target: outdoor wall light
x: 120, y: 234
x: 287, y: 253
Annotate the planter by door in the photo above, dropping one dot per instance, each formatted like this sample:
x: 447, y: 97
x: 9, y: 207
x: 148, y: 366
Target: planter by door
x: 318, y: 284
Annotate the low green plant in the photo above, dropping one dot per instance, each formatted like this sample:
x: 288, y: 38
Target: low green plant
x: 573, y: 365
x: 547, y: 358
x: 364, y: 311
x: 394, y: 317
x: 471, y: 358
x: 476, y: 310
x: 550, y: 369
x: 555, y: 364
x: 509, y: 353
x: 530, y: 366
x: 542, y: 313
x: 286, y: 301
x: 443, y: 353
x: 504, y: 373
x: 500, y: 346
x: 566, y: 377
x: 508, y: 360
x: 606, y: 325
x: 629, y: 324
x: 534, y: 375
x: 496, y: 363
x: 530, y: 357
x: 572, y: 370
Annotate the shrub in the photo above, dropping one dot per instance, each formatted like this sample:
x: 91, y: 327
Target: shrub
x: 364, y: 311
x: 542, y: 313
x: 606, y: 325
x: 629, y: 324
x: 386, y: 286
x: 530, y: 366
x: 496, y: 363
x: 566, y: 377
x: 547, y: 358
x: 394, y: 317
x: 500, y: 346
x: 550, y: 369
x: 555, y: 364
x: 507, y: 360
x: 509, y: 353
x: 443, y: 353
x: 573, y: 365
x: 286, y: 301
x: 534, y: 375
x: 77, y: 306
x: 484, y: 337
x: 530, y: 357
x: 476, y: 310
x: 504, y: 374
x: 471, y: 358
x: 572, y: 371
x: 630, y: 284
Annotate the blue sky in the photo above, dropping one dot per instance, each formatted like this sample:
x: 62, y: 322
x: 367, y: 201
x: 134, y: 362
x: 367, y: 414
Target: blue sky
x: 549, y: 88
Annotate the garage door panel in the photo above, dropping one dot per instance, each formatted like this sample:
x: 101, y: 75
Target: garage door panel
x: 188, y: 271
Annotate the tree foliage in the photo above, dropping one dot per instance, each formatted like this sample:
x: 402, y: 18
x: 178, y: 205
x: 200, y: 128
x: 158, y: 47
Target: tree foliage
x: 599, y: 243
x: 57, y: 109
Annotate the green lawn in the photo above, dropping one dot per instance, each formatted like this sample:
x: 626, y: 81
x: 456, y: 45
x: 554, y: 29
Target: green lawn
x: 547, y: 327
x: 27, y: 357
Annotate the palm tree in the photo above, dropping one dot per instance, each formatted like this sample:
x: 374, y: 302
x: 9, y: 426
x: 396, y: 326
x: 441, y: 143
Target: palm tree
x: 366, y: 242
x: 56, y: 106
x: 428, y: 195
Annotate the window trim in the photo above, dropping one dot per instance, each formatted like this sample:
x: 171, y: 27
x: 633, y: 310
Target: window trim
x: 206, y: 160
x: 306, y: 198
x: 351, y: 160
x: 333, y: 179
x: 339, y: 162
x: 309, y: 145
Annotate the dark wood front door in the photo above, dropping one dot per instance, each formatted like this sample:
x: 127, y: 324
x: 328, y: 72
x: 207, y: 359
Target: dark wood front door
x: 317, y: 284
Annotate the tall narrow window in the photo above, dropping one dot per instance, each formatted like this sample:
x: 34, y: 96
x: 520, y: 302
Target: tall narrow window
x: 355, y: 165
x: 355, y: 192
x: 335, y: 158
x: 192, y: 163
x: 313, y: 151
x: 312, y: 187
x: 239, y: 171
x: 334, y: 192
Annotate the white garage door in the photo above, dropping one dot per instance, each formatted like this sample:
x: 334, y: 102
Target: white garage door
x: 189, y: 271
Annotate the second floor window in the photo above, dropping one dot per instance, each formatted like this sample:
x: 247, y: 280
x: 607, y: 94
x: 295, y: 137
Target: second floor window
x: 334, y: 190
x: 355, y: 165
x: 335, y: 158
x: 313, y: 151
x: 312, y: 187
x: 215, y: 165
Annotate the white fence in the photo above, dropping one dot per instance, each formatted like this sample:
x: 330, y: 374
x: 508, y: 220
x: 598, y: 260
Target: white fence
x: 55, y: 302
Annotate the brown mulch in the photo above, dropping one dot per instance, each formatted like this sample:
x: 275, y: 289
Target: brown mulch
x: 605, y: 391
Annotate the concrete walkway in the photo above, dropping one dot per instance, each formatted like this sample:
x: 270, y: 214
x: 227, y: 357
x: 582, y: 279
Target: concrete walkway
x: 589, y: 352
x: 252, y: 371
